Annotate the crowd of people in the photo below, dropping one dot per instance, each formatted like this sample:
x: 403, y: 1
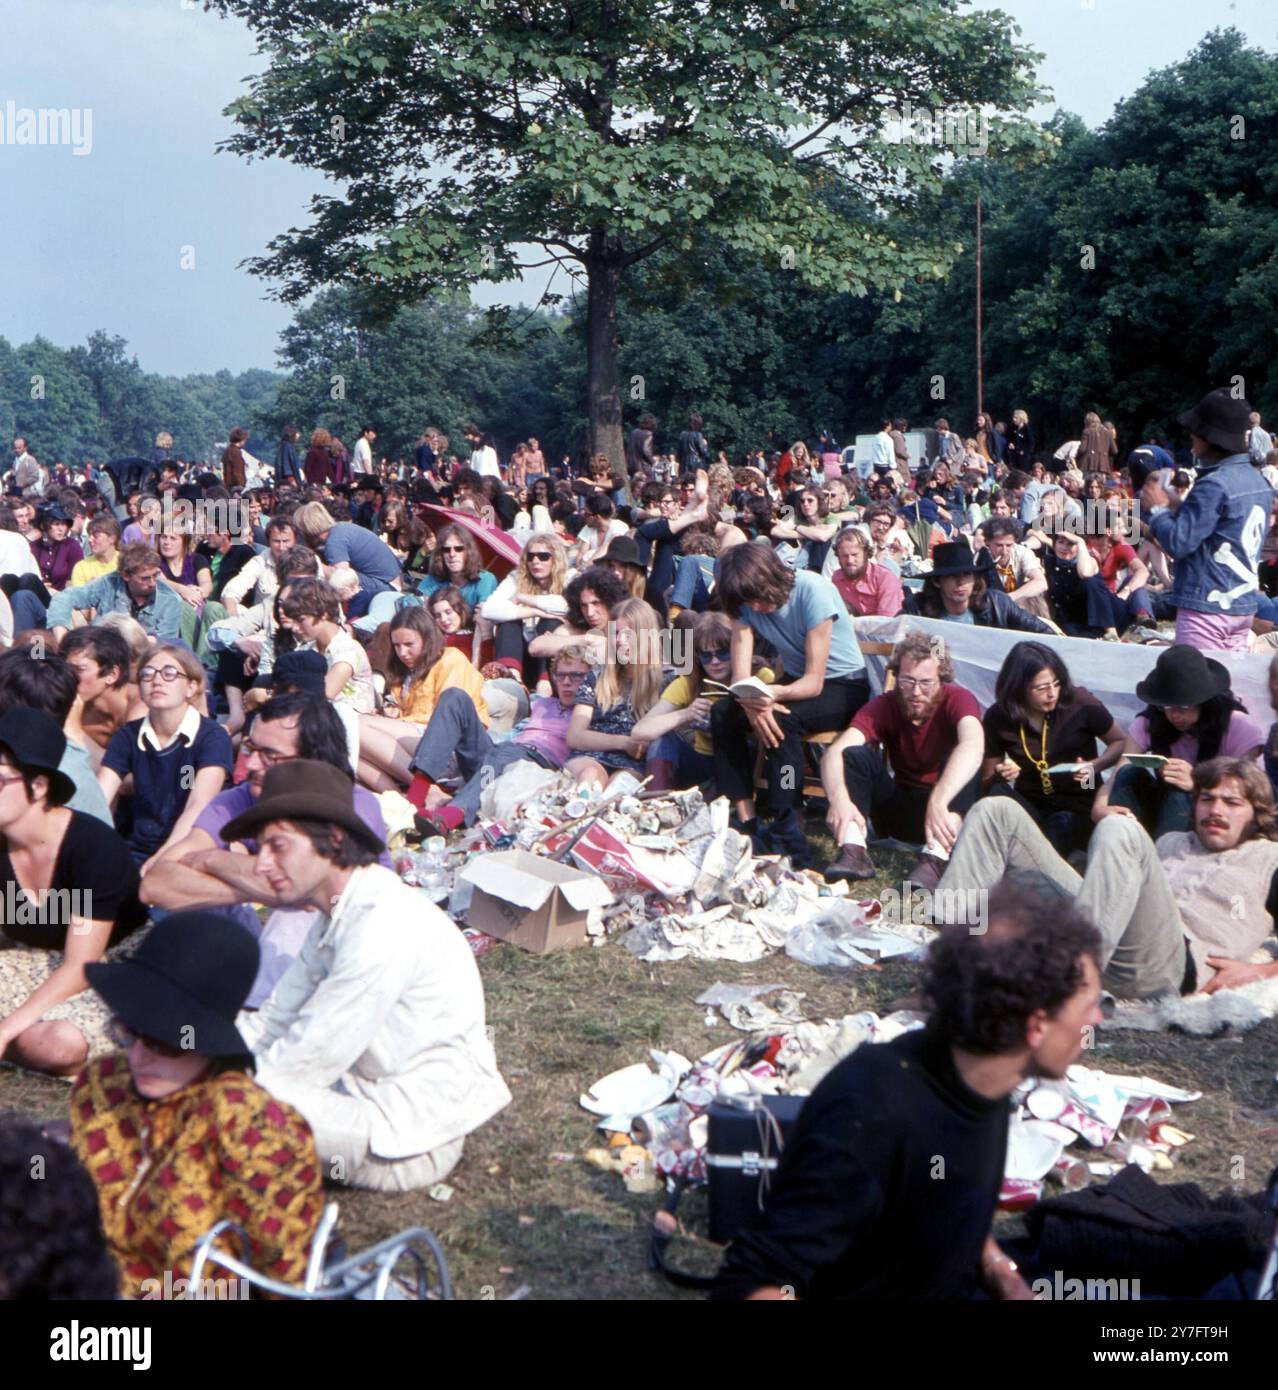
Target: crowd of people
x: 208, y: 679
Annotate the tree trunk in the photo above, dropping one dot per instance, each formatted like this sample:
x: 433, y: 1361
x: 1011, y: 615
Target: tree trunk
x: 603, y: 280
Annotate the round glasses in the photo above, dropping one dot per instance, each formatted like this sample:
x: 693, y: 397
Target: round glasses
x: 167, y: 674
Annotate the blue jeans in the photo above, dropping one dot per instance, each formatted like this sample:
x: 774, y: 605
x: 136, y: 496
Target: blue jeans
x: 383, y: 608
x: 691, y: 769
x: 691, y: 585
x: 28, y: 611
x: 1159, y: 808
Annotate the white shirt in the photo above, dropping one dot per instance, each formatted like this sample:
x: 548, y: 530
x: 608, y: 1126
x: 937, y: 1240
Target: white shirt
x: 385, y: 999
x: 484, y: 462
x: 15, y: 555
x: 363, y: 455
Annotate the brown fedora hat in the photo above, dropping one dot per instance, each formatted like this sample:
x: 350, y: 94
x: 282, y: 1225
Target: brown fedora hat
x: 303, y: 789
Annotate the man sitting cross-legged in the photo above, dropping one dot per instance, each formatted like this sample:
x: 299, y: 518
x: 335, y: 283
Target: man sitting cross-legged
x: 929, y: 730
x: 376, y: 1032
x: 1183, y: 915
x: 455, y: 737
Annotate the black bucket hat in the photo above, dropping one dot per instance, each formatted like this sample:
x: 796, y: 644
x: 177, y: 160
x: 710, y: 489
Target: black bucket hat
x: 36, y: 744
x: 623, y: 550
x: 1222, y: 419
x: 1183, y: 676
x: 185, y: 983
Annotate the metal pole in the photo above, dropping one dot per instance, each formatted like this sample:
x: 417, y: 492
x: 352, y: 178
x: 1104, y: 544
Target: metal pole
x: 980, y: 364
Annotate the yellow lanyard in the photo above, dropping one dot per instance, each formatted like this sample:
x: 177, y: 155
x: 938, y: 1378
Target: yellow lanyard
x: 1040, y: 763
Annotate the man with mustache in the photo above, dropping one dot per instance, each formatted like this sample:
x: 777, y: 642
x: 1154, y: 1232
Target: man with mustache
x: 1183, y: 915
x: 929, y: 730
x: 868, y: 588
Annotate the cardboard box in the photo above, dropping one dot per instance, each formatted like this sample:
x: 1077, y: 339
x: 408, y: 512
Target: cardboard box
x: 530, y: 901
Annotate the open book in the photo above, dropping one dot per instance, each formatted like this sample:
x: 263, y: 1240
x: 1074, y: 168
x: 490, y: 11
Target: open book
x: 751, y: 688
x: 1150, y: 760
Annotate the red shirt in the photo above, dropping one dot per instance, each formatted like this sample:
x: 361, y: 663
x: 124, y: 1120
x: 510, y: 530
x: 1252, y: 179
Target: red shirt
x: 917, y: 752
x: 1119, y: 558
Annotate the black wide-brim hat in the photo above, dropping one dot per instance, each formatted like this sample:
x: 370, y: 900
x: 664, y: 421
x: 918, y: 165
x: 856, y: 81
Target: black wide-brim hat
x: 1222, y: 419
x: 303, y: 789
x: 953, y: 557
x: 185, y: 983
x: 36, y: 744
x: 1183, y: 676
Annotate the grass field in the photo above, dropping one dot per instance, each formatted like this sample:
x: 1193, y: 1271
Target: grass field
x: 522, y: 1221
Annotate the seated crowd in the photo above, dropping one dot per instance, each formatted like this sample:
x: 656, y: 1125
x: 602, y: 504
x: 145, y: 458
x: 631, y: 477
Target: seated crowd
x: 207, y: 688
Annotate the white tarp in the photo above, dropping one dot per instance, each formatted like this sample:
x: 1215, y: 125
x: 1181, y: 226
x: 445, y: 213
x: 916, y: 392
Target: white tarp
x: 1110, y: 670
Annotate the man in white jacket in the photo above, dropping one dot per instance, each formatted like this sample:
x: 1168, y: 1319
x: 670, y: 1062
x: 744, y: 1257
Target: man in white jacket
x: 376, y: 1032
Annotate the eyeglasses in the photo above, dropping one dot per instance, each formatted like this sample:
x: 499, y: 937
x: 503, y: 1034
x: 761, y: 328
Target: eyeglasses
x: 570, y: 675
x: 913, y: 683
x: 1045, y: 689
x: 123, y: 1036
x: 267, y: 756
x: 449, y: 549
x: 540, y: 555
x: 719, y: 654
x: 167, y: 674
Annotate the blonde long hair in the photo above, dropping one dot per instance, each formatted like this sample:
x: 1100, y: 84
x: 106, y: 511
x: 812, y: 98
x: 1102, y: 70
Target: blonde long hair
x: 641, y: 677
x: 525, y: 583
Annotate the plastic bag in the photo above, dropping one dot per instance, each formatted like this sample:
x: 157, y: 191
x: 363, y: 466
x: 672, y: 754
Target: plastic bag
x: 520, y: 782
x: 826, y: 938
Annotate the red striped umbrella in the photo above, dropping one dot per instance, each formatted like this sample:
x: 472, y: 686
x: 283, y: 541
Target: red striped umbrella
x: 501, y: 551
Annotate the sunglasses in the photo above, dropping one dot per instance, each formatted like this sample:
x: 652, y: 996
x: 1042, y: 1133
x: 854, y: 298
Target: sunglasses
x: 539, y: 555
x: 719, y: 654
x: 453, y: 549
x: 123, y: 1036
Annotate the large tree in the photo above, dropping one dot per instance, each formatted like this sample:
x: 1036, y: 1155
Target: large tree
x: 474, y: 139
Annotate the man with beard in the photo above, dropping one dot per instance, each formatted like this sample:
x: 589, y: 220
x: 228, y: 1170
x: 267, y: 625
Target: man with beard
x: 1182, y: 915
x: 869, y: 589
x: 890, y: 1183
x: 929, y: 730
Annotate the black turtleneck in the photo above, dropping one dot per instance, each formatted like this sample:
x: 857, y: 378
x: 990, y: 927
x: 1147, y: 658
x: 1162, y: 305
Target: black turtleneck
x: 887, y: 1188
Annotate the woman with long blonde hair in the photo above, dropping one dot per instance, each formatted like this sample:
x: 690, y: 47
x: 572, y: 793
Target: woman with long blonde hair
x: 529, y: 600
x: 613, y: 700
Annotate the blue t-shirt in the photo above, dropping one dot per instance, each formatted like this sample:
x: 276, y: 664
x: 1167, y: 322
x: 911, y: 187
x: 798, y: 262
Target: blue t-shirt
x: 474, y: 591
x: 964, y: 617
x: 812, y: 600
x: 368, y: 555
x: 163, y: 778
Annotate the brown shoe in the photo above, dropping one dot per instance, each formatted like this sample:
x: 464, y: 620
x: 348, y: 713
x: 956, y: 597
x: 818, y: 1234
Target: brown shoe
x: 854, y: 863
x: 926, y: 873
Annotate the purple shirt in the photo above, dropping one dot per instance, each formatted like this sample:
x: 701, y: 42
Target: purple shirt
x: 1241, y: 737
x: 546, y: 730
x: 236, y: 800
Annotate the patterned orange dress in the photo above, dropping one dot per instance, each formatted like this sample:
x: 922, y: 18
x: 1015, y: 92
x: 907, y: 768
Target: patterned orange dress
x: 166, y: 1170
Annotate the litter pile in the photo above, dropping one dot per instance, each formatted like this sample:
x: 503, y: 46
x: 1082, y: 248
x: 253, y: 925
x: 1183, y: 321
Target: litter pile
x: 1088, y: 1125
x: 680, y: 881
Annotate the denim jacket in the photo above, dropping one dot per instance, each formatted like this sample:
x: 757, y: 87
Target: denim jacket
x: 1215, y: 538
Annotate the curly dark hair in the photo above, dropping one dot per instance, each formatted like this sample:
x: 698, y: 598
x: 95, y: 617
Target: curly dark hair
x: 51, y: 1240
x: 983, y: 986
x: 602, y: 583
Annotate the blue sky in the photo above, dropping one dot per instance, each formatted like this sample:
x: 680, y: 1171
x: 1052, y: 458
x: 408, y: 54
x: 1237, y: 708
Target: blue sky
x: 100, y: 240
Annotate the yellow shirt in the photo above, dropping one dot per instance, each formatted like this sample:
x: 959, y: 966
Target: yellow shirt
x: 417, y: 700
x: 87, y: 570
x: 166, y: 1170
x: 679, y: 694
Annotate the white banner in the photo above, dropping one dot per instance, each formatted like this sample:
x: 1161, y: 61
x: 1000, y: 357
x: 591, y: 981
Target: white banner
x: 1110, y: 670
